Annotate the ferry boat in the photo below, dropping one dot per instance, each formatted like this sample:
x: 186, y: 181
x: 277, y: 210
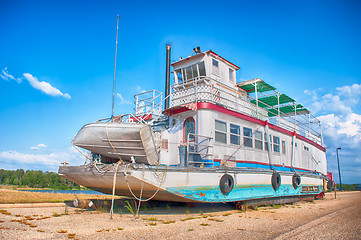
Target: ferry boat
x: 207, y: 139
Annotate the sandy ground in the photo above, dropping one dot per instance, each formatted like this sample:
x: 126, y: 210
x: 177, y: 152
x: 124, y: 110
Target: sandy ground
x: 322, y: 219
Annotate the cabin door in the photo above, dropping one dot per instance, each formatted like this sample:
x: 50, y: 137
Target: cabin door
x: 189, y: 128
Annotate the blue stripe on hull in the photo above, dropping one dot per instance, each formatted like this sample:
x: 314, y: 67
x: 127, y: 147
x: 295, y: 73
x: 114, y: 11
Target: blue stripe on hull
x: 239, y: 192
x: 262, y: 166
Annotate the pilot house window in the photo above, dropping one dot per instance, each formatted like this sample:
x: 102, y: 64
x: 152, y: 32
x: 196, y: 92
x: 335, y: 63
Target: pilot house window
x: 202, y: 69
x: 191, y: 72
x: 179, y: 75
x: 215, y: 67
x: 231, y: 75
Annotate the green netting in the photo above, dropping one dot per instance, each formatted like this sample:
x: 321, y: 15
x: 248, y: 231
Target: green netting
x: 266, y: 102
x: 248, y: 86
x: 288, y: 110
x: 272, y: 100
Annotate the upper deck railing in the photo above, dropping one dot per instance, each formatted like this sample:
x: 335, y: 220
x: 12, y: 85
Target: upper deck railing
x: 206, y: 89
x: 148, y: 108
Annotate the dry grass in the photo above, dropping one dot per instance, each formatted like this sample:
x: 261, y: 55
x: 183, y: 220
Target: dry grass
x: 13, y: 196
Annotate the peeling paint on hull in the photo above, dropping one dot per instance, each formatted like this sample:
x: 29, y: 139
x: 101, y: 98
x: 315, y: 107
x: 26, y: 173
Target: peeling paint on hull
x: 240, y: 192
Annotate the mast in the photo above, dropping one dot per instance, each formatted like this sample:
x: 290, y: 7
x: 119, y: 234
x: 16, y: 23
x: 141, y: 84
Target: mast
x: 167, y: 76
x: 115, y: 65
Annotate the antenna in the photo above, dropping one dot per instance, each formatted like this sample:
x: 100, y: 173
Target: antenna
x: 115, y: 65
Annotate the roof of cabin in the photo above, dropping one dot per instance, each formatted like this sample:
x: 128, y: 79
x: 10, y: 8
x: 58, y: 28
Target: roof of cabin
x: 210, y: 52
x: 274, y: 101
x: 289, y: 109
x: 249, y: 86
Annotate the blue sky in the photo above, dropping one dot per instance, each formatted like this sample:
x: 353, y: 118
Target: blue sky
x: 57, y: 60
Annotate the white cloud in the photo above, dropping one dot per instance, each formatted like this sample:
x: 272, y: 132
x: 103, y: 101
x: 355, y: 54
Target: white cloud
x: 35, y: 83
x: 140, y: 89
x: 351, y: 94
x: 339, y: 113
x: 312, y: 93
x: 39, y: 146
x: 44, y: 86
x: 21, y: 158
x: 349, y: 125
x: 340, y: 102
x: 354, y: 89
x: 6, y: 76
x: 50, y: 161
x: 122, y: 100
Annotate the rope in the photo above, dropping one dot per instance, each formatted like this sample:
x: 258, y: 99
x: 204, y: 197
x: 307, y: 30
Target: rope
x: 86, y: 157
x: 312, y: 158
x: 114, y: 182
x: 141, y: 191
x: 139, y: 199
x: 126, y: 177
x: 100, y: 171
x: 110, y: 143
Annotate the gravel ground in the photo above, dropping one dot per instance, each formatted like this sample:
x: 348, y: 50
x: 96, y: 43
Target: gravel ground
x: 328, y: 218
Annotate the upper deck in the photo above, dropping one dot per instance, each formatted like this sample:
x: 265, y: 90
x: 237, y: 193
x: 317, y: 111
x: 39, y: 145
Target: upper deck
x: 207, y: 77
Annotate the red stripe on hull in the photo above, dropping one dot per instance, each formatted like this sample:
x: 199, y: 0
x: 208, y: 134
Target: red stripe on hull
x: 205, y: 105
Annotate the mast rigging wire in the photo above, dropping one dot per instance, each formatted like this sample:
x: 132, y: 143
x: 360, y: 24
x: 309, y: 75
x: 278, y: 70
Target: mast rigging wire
x: 115, y: 65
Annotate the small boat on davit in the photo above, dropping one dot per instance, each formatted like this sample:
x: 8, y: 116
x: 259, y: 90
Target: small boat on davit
x: 209, y: 139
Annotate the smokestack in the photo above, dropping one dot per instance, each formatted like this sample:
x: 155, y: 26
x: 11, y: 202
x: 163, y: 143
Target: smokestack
x: 167, y: 76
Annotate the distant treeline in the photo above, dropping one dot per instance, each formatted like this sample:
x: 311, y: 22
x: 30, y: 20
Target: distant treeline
x: 348, y: 187
x: 35, y: 179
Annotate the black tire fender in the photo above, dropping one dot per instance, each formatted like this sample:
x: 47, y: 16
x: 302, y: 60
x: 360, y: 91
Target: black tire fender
x: 226, y: 184
x: 296, y: 180
x: 276, y: 180
x: 330, y: 184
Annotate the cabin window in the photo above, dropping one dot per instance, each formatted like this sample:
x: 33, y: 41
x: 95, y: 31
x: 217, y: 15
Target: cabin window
x: 247, y: 137
x: 235, y: 134
x: 221, y: 132
x: 188, y: 128
x: 202, y: 69
x: 283, y: 147
x: 179, y: 75
x: 215, y: 67
x: 276, y: 144
x: 258, y: 140
x: 306, y: 148
x: 191, y: 72
x: 269, y: 142
x: 231, y: 75
x: 292, y: 144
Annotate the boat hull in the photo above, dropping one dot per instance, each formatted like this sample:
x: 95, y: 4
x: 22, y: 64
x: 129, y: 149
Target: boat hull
x: 193, y: 185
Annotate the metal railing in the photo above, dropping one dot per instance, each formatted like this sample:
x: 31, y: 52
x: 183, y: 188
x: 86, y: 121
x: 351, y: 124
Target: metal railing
x: 148, y: 104
x: 205, y: 89
x: 199, y: 150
